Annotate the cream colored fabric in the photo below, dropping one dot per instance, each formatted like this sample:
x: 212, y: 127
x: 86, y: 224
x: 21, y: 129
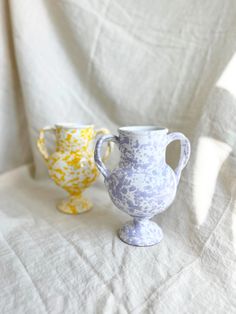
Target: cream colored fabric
x: 116, y: 63
x: 15, y: 148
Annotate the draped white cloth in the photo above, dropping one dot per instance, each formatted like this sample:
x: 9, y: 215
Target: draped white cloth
x: 115, y: 63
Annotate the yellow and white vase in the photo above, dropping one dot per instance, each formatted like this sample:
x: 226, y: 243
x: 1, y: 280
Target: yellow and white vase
x: 72, y: 165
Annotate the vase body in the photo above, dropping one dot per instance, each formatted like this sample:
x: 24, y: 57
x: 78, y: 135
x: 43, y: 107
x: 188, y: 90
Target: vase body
x: 72, y: 165
x: 143, y: 184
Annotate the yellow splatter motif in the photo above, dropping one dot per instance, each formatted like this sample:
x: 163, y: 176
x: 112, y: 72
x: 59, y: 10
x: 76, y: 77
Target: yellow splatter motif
x: 72, y: 165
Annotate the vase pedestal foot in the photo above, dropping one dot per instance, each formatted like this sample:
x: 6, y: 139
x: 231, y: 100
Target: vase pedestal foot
x: 74, y: 205
x: 141, y: 232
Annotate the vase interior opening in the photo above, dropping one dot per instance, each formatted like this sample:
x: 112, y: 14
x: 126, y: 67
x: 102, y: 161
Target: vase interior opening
x: 72, y: 125
x: 142, y: 129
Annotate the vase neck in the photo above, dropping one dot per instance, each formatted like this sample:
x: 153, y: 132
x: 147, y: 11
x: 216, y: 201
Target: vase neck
x: 74, y: 140
x: 142, y: 151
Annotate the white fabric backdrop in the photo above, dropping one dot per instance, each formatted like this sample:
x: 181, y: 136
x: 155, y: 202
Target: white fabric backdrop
x: 118, y: 63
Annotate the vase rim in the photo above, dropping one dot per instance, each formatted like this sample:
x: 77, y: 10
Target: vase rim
x: 73, y: 125
x: 142, y: 129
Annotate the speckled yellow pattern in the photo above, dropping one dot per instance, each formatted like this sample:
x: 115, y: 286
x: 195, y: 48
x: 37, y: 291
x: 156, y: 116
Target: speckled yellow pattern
x: 72, y: 165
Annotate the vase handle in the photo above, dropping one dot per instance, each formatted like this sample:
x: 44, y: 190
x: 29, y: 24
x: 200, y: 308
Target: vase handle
x: 41, y: 141
x: 184, y: 151
x: 99, y: 133
x: 97, y: 153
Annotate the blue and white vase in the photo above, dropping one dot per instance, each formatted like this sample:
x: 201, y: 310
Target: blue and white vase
x: 142, y: 185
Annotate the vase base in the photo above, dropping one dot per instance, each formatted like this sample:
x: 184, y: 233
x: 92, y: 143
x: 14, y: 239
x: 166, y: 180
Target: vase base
x: 141, y: 232
x: 74, y: 205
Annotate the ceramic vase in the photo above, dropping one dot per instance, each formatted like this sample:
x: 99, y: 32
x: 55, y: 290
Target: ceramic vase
x: 72, y: 165
x: 143, y: 184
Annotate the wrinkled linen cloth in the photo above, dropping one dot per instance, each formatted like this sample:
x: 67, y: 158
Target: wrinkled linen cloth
x: 115, y: 63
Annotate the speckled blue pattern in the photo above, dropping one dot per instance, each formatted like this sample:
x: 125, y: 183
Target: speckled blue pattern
x: 143, y: 185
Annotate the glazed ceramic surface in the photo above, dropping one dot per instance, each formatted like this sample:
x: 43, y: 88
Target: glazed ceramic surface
x: 143, y: 185
x: 72, y: 165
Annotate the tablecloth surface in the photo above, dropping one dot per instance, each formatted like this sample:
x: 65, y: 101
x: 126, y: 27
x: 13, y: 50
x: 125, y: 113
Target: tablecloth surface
x: 114, y: 63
